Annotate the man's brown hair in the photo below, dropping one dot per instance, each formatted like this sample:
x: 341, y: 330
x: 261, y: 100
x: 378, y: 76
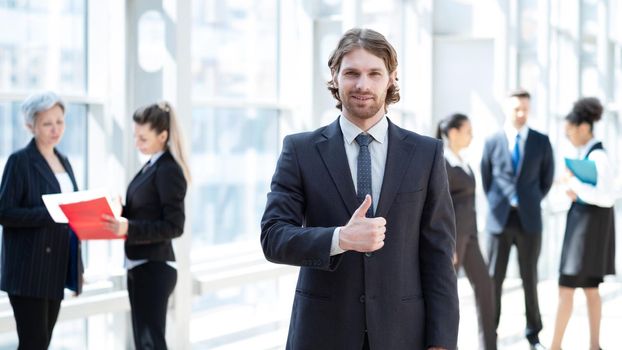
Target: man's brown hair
x: 520, y: 93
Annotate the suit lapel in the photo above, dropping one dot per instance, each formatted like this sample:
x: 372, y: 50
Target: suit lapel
x: 333, y: 155
x: 506, y: 154
x: 140, y: 178
x: 528, y: 150
x: 399, y: 155
x: 42, y: 167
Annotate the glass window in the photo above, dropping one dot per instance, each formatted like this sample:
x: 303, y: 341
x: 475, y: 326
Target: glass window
x: 528, y: 36
x: 386, y: 18
x: 233, y: 157
x: 234, y: 50
x: 45, y: 48
x: 234, y: 57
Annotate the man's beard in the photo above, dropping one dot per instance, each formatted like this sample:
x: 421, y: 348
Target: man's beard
x: 350, y: 104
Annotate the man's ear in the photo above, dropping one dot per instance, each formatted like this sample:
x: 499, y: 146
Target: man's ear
x: 393, y: 78
x: 30, y: 127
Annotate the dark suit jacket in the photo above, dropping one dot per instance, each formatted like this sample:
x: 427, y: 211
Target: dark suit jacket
x: 405, y: 293
x: 155, y: 210
x: 462, y: 191
x: 533, y: 181
x: 35, y: 251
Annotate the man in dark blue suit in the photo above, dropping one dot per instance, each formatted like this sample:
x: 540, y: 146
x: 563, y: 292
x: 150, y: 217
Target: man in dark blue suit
x: 363, y: 207
x: 517, y: 172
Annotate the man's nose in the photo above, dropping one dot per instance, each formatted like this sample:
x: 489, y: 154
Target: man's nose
x: 362, y: 82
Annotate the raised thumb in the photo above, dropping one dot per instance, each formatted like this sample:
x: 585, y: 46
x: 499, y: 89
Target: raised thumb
x: 362, y: 209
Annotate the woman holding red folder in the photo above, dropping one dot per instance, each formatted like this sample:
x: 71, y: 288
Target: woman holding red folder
x: 39, y: 257
x: 152, y: 216
x: 588, y: 250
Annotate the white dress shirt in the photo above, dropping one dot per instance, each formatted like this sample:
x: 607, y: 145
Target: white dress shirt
x: 602, y: 194
x: 378, y: 152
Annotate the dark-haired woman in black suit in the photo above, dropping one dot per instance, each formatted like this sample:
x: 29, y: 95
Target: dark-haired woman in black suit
x: 588, y: 251
x: 39, y: 257
x: 455, y: 131
x: 152, y: 216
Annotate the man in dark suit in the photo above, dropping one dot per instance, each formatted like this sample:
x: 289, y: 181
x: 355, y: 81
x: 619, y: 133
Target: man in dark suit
x: 517, y: 172
x: 363, y: 207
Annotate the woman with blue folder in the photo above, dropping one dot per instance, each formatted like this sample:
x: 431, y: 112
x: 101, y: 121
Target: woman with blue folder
x: 588, y: 250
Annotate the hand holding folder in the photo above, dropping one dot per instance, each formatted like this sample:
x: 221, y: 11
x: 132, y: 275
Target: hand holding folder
x: 583, y: 169
x: 83, y: 211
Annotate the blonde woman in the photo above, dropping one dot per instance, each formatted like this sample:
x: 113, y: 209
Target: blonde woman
x: 153, y: 215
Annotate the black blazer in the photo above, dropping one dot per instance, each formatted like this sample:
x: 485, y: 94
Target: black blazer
x: 462, y: 190
x: 155, y: 210
x: 533, y: 181
x: 403, y: 294
x: 36, y: 252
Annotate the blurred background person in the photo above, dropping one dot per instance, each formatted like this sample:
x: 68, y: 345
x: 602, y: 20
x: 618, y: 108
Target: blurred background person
x: 456, y: 133
x: 517, y: 173
x: 588, y: 250
x: 39, y: 257
x: 152, y: 216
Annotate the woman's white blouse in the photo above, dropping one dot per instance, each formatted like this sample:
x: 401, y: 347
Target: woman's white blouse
x: 602, y: 194
x: 64, y: 181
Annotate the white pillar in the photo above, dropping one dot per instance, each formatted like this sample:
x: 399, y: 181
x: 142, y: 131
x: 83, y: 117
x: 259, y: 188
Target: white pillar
x: 183, y: 102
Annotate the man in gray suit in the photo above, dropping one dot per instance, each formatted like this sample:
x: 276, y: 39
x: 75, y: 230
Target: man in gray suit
x: 363, y: 207
x: 517, y: 172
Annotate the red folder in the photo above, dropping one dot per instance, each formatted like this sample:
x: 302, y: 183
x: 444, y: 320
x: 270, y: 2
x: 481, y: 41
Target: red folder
x: 85, y: 218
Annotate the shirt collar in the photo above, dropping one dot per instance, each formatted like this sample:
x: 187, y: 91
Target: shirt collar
x: 510, y: 132
x: 154, y: 158
x: 452, y: 158
x: 582, y: 151
x: 351, y: 131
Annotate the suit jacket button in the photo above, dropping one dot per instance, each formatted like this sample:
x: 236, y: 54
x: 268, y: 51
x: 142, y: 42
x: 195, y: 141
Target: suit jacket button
x: 369, y: 254
x: 48, y: 249
x: 362, y: 298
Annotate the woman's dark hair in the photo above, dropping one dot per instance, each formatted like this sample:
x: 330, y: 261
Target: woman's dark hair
x: 586, y: 110
x: 162, y: 117
x: 453, y: 121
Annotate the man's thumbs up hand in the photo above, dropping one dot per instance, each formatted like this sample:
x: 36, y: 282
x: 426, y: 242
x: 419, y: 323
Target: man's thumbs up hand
x: 363, y: 234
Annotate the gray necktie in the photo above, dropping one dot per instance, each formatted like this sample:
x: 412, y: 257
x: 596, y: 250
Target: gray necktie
x: 363, y: 176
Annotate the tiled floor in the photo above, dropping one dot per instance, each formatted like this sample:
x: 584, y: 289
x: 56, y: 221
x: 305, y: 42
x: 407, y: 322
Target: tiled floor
x: 511, y: 327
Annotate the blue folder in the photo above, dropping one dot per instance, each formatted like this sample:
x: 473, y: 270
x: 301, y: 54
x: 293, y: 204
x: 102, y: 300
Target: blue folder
x: 583, y: 169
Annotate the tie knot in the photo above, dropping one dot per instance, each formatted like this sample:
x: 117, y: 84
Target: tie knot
x: 517, y: 137
x: 363, y: 139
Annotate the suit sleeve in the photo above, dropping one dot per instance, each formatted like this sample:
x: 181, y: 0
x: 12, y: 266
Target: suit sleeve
x: 171, y: 186
x: 284, y: 239
x: 437, y: 243
x: 547, y: 170
x: 486, y: 168
x: 12, y: 191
